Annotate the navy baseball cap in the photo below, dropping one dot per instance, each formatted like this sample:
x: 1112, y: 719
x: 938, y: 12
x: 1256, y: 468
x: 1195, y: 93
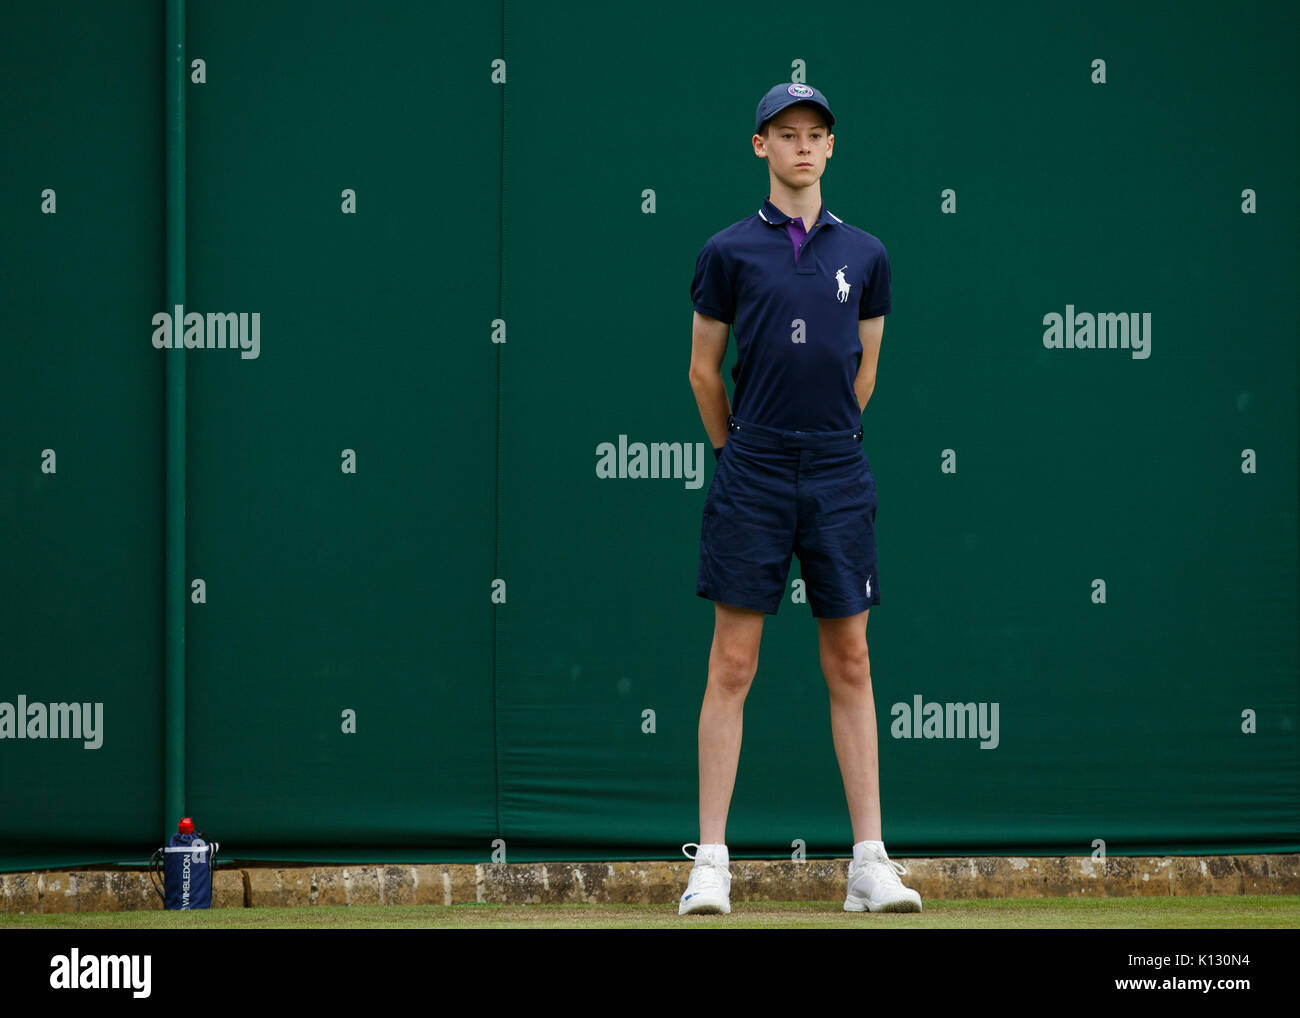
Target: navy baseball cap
x: 787, y: 94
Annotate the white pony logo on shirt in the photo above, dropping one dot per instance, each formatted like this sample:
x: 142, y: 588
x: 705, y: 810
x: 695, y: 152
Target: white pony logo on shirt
x: 845, y: 287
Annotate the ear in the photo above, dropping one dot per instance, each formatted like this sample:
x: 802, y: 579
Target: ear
x: 760, y: 146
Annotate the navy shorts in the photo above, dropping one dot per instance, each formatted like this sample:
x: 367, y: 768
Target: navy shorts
x: 775, y: 493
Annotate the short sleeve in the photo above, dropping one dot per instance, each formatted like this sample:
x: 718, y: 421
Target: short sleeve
x: 876, y: 295
x: 712, y: 292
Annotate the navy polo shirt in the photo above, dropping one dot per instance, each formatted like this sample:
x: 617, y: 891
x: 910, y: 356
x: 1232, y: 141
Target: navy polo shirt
x: 795, y: 319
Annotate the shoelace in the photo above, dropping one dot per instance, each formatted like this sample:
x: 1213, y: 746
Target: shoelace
x: 708, y: 872
x: 897, y: 870
x: 888, y: 871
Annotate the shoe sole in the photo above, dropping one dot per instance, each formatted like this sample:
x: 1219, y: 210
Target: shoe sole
x: 856, y: 904
x: 706, y: 908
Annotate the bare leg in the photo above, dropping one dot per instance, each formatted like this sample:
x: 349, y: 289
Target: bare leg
x: 733, y: 660
x: 847, y: 668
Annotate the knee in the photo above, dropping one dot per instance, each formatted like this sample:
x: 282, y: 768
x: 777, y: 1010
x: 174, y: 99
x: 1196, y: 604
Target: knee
x: 847, y: 665
x: 732, y: 669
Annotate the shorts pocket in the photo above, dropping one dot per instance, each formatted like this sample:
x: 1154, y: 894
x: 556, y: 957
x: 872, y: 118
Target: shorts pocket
x: 869, y: 480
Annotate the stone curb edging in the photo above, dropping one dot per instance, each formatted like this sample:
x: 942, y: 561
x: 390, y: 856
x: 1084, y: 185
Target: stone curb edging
x: 655, y: 883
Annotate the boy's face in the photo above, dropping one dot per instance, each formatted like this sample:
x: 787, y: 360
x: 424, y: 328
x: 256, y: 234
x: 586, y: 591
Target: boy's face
x: 796, y: 146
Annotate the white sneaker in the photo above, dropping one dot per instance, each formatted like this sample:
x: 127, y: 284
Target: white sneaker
x: 874, y: 885
x: 708, y: 892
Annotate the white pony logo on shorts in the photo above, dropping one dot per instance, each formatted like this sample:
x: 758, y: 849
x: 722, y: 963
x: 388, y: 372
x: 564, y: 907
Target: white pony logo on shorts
x: 802, y: 91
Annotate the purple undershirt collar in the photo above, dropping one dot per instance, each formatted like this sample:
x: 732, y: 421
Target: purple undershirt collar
x: 797, y: 233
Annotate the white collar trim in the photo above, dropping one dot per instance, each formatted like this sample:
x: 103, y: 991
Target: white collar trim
x: 828, y: 212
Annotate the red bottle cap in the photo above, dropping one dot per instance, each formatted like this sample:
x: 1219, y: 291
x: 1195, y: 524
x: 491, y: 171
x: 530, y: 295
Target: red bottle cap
x: 186, y: 826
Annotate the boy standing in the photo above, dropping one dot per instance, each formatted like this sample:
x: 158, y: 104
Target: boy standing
x: 807, y: 295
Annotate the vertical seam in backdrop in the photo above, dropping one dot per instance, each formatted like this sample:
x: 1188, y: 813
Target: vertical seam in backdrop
x: 496, y: 495
x: 174, y: 604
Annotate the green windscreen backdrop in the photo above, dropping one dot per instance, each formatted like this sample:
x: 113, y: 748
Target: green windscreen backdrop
x: 432, y: 611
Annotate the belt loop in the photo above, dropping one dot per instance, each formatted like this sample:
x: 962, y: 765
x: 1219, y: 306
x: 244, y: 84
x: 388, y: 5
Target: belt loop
x: 731, y: 423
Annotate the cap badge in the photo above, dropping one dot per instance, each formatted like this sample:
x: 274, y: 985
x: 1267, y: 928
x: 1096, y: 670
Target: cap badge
x: 802, y: 91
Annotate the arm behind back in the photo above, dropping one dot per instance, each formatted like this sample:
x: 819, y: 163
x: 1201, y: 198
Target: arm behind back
x: 708, y: 348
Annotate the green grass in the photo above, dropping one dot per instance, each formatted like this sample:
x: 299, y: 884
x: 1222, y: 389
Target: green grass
x: 1248, y: 912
